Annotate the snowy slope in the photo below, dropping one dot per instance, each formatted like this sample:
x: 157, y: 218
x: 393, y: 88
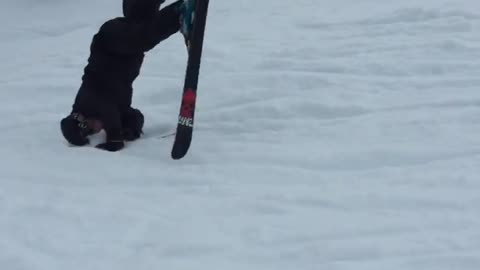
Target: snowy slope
x: 329, y: 135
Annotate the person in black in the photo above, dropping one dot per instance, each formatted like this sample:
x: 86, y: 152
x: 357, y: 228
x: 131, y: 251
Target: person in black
x: 116, y: 55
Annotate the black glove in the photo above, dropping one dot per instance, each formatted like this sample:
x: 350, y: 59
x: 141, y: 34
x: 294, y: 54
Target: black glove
x: 132, y: 122
x: 131, y: 135
x: 115, y: 141
x: 111, y: 146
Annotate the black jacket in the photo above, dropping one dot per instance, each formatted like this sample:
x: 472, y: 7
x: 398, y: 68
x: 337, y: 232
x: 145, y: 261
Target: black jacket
x: 116, y: 56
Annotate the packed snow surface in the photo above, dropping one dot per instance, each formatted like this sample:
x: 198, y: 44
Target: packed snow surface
x: 329, y: 135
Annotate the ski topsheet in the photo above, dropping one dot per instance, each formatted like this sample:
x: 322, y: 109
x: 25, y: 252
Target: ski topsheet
x: 196, y: 14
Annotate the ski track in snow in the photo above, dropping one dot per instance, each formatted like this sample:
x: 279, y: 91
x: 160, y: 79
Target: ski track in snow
x: 328, y: 136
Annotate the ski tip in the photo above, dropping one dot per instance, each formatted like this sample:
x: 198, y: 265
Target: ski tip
x: 182, y: 142
x: 177, y: 155
x: 180, y: 150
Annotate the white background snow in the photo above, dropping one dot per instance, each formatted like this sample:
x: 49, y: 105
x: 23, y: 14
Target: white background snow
x: 329, y: 135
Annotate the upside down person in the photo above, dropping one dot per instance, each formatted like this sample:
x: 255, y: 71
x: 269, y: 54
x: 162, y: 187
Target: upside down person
x: 104, y: 99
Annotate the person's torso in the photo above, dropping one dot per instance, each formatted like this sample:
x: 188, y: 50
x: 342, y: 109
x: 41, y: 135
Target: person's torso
x: 111, y: 74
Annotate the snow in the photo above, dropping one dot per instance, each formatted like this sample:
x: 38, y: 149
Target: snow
x: 329, y: 135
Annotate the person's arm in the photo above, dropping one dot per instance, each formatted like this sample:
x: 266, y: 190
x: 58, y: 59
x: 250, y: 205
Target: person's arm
x: 132, y: 123
x: 112, y: 124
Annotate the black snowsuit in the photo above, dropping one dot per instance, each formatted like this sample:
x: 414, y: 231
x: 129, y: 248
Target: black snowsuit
x: 117, y: 53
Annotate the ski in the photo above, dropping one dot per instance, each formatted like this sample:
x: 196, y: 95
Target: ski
x: 196, y: 17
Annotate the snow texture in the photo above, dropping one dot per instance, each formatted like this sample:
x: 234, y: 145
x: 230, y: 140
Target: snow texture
x: 340, y: 135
